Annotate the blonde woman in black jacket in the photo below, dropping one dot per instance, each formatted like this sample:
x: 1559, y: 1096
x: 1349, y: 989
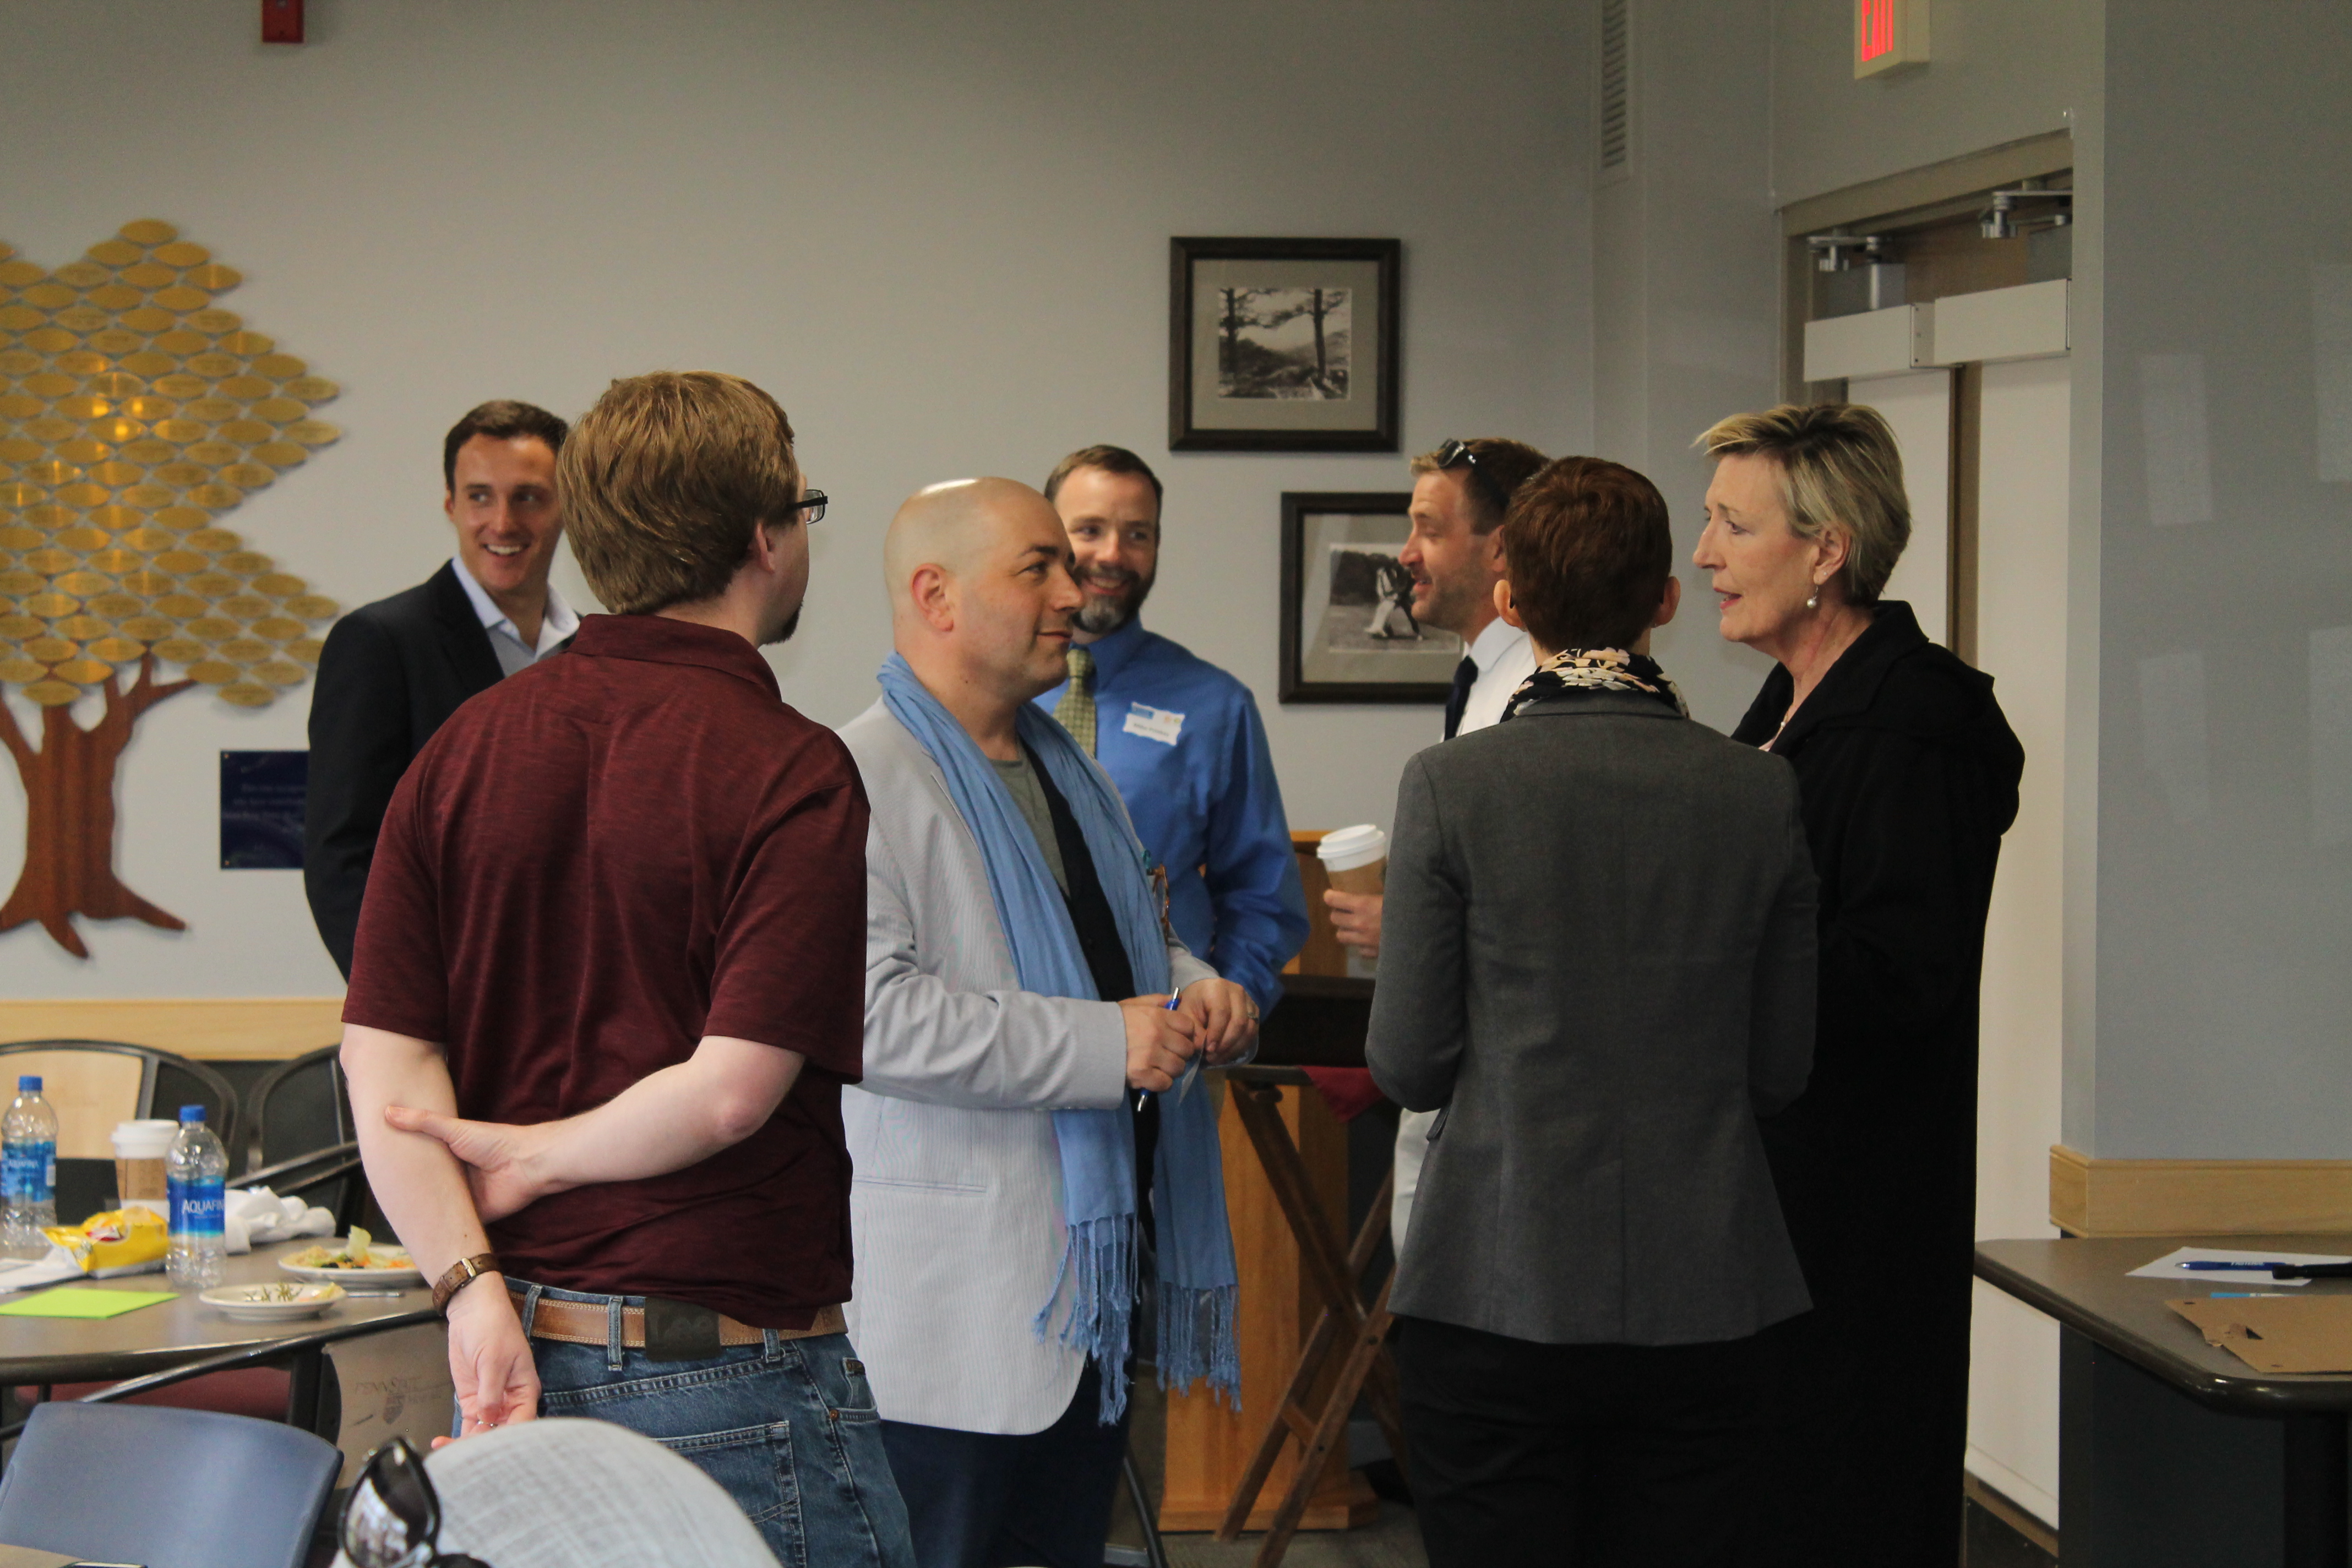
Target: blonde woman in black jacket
x: 1909, y: 776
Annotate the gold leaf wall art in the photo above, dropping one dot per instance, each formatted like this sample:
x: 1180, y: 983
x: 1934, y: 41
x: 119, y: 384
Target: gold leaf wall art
x: 135, y: 414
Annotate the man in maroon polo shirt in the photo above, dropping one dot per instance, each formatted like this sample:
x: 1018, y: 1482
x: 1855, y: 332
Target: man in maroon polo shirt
x: 608, y: 985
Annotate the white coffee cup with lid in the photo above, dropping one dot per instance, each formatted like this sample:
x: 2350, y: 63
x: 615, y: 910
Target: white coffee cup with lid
x: 139, y: 1151
x: 1355, y: 858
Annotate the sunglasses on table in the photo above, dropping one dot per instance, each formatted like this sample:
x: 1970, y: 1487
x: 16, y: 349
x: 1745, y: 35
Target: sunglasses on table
x: 1455, y: 454
x: 394, y: 1518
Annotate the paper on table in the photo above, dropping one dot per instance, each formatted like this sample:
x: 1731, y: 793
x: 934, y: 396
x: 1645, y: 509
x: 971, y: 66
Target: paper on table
x: 2281, y: 1335
x: 80, y: 1301
x: 2168, y: 1267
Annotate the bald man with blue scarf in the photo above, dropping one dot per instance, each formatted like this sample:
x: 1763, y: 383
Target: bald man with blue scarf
x: 1030, y: 1137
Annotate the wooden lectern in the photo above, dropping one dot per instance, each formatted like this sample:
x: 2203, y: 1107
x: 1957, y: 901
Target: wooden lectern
x: 1209, y: 1445
x: 1321, y: 1022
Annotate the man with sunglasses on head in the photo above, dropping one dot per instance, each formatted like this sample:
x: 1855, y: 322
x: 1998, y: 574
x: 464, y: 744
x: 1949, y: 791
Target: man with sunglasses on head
x: 608, y: 991
x: 1460, y: 493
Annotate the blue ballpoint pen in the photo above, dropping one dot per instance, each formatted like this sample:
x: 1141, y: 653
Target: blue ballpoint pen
x: 1143, y: 1095
x: 2214, y: 1266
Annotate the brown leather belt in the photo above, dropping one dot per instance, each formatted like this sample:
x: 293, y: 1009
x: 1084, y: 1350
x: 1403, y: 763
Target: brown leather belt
x: 583, y: 1323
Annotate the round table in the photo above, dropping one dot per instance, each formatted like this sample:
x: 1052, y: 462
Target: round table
x: 43, y: 1350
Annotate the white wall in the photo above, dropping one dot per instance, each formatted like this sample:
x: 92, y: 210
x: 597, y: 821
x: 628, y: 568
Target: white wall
x: 937, y: 231
x: 1686, y: 298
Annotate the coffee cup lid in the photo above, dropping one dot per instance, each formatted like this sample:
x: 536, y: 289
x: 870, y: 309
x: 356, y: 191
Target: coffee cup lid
x: 1345, y: 848
x: 129, y: 1135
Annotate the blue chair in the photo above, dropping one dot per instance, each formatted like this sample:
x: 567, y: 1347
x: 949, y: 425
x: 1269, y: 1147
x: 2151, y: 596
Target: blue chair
x: 176, y: 1488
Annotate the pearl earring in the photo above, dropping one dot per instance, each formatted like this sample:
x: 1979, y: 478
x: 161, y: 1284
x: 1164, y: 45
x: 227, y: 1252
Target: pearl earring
x: 1813, y: 600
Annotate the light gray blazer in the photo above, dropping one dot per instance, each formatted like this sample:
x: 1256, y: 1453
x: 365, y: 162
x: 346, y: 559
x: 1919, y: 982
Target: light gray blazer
x: 1598, y: 954
x: 956, y: 1205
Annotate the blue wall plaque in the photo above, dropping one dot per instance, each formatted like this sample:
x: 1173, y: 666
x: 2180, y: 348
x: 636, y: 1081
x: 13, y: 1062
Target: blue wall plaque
x: 261, y: 810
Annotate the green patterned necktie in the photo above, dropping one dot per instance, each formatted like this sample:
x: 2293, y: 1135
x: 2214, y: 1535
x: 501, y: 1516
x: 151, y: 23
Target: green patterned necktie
x: 1076, y: 709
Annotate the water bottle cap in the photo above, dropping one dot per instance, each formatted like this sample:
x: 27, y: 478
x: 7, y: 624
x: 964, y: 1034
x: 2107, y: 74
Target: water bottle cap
x: 30, y: 1083
x: 191, y: 1113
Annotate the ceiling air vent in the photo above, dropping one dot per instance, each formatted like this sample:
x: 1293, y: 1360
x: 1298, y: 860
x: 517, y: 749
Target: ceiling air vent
x: 1616, y: 89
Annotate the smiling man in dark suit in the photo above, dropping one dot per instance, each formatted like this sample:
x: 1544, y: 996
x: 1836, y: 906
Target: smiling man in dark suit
x: 394, y: 670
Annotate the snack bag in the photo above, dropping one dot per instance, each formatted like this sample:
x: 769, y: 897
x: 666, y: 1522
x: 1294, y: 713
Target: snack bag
x: 120, y: 1241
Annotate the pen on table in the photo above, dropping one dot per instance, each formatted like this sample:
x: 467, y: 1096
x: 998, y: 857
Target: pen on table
x: 2246, y: 1295
x: 2279, y: 1271
x: 2209, y: 1265
x: 1143, y: 1095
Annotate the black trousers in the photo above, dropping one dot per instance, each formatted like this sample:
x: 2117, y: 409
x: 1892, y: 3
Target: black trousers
x: 1577, y: 1455
x: 975, y: 1500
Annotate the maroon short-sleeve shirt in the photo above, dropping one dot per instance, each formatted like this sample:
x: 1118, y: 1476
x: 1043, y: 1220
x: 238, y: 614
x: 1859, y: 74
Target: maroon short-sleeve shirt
x: 594, y: 864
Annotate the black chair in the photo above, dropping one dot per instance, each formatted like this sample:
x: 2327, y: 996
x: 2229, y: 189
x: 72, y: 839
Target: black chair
x: 140, y: 1083
x: 303, y: 1140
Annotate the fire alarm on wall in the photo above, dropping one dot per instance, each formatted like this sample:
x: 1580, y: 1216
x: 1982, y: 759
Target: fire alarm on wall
x: 281, y: 21
x: 1889, y: 36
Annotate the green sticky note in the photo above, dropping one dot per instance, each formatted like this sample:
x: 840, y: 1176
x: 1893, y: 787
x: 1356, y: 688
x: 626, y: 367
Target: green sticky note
x: 82, y: 1301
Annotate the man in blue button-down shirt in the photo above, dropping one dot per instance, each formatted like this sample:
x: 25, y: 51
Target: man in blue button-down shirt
x: 1179, y: 737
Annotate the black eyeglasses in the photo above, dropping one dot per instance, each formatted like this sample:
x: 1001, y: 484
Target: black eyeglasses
x: 1456, y: 452
x: 812, y: 503
x: 394, y: 1519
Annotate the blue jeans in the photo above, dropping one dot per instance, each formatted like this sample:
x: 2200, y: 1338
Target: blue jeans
x: 787, y: 1428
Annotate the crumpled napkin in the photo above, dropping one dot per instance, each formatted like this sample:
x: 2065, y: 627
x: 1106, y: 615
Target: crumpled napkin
x: 23, y: 1275
x: 252, y: 1217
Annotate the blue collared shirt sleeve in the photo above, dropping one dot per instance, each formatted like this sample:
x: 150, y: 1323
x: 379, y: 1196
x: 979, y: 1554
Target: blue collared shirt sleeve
x: 1253, y: 872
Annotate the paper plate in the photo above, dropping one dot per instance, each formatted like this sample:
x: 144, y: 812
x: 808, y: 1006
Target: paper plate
x: 272, y: 1303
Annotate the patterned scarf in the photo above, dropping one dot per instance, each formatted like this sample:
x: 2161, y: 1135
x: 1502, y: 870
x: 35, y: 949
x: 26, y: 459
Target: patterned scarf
x: 1594, y: 669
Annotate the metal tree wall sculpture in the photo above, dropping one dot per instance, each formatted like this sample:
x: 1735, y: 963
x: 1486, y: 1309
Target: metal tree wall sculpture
x: 134, y: 414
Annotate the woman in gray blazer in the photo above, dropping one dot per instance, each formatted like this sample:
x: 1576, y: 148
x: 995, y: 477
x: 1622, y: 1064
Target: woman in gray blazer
x: 1600, y: 964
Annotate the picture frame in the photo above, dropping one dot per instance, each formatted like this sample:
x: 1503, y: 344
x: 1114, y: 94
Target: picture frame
x: 1283, y: 345
x: 1348, y: 630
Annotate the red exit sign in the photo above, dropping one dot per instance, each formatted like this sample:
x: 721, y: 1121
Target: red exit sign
x: 1889, y: 36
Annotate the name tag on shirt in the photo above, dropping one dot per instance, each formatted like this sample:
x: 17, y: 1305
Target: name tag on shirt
x: 1153, y: 723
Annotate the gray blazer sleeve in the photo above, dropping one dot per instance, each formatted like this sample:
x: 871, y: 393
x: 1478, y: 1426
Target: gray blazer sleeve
x: 1788, y: 973
x: 990, y: 1051
x: 1419, y: 1013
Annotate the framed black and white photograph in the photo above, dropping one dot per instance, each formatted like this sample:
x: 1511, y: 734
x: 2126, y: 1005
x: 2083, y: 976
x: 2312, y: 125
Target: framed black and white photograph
x: 1347, y: 629
x: 1283, y: 345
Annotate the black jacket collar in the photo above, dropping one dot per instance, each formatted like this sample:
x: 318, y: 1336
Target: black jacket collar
x: 462, y: 631
x: 1892, y: 679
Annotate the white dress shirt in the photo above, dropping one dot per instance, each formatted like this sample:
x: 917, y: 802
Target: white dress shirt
x: 1505, y: 658
x: 556, y: 624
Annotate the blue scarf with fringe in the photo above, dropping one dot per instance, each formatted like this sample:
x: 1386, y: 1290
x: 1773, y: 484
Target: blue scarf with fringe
x: 1198, y: 1281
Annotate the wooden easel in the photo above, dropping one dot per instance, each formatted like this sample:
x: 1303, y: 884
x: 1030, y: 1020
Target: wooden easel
x: 1346, y: 1334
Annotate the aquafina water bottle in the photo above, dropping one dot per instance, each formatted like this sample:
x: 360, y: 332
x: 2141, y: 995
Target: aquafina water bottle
x: 195, y: 1175
x: 29, y: 1172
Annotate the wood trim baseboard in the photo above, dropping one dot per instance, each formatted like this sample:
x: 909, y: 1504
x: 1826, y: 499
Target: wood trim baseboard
x: 209, y: 1028
x: 2199, y: 1197
x: 2013, y: 1514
